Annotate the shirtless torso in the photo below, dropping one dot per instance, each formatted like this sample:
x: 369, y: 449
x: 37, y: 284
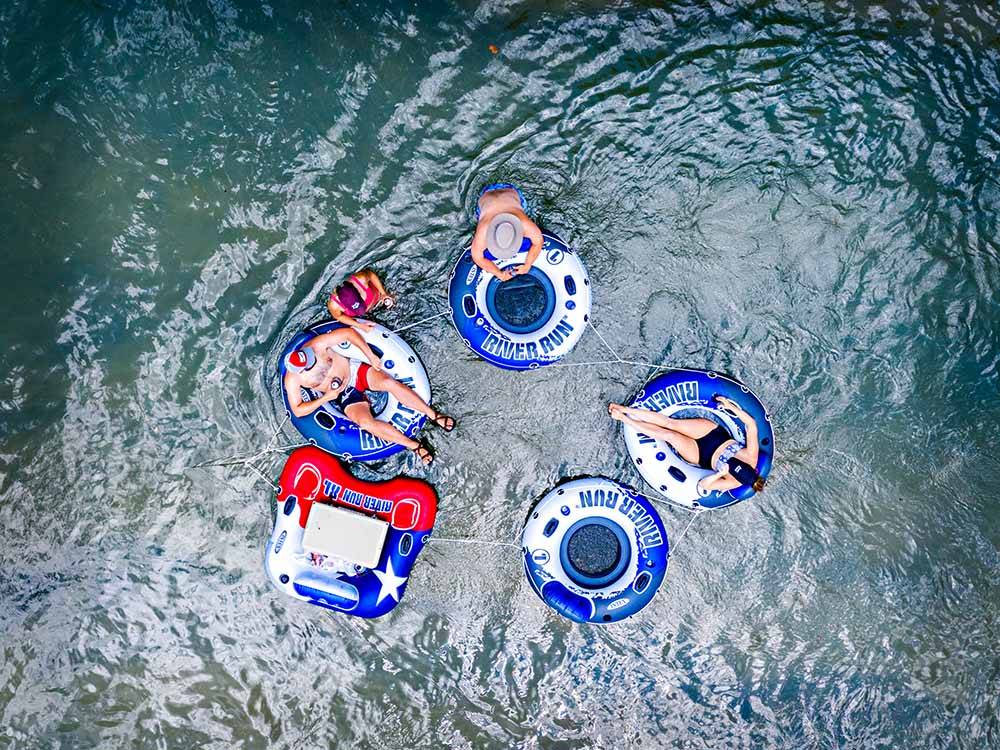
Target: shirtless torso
x: 329, y: 367
x: 491, y: 204
x: 499, y: 201
x: 331, y: 373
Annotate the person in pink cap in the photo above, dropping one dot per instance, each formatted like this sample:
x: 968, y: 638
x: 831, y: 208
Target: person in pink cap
x: 359, y: 295
x: 319, y: 366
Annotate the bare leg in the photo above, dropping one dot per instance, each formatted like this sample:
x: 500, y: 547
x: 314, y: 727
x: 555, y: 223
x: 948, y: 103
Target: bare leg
x: 379, y: 381
x: 685, y: 446
x: 361, y: 415
x: 640, y: 415
x: 695, y: 427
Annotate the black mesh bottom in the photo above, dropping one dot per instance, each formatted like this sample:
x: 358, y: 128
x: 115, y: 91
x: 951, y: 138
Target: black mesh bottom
x: 594, y: 550
x: 520, y: 301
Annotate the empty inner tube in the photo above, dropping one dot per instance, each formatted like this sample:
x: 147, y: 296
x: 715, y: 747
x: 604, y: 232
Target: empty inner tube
x: 595, y: 552
x: 522, y: 305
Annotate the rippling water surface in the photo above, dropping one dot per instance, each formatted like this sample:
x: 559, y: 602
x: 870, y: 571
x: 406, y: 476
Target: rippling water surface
x: 805, y: 195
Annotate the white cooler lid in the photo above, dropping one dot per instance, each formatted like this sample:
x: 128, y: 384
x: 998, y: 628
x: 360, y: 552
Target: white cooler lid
x: 343, y: 533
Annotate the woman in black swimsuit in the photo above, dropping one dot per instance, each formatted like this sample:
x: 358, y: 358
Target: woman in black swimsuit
x: 702, y: 442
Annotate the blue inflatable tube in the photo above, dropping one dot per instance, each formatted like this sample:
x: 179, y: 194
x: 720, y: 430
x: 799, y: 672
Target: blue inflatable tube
x: 595, y: 551
x: 690, y: 393
x: 529, y: 321
x: 329, y: 429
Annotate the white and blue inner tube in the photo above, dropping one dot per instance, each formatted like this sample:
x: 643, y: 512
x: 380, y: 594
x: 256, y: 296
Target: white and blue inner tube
x: 530, y: 321
x: 595, y: 551
x: 682, y: 394
x: 328, y: 428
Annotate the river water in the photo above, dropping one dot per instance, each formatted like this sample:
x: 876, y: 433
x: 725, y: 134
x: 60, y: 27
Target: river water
x: 805, y: 195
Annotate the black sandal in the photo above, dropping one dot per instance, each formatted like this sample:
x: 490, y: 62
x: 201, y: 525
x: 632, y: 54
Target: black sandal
x: 449, y: 422
x: 424, y: 454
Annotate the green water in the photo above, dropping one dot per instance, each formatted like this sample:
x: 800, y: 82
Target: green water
x: 805, y: 195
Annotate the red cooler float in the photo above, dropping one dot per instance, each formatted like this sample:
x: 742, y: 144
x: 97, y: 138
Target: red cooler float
x: 343, y: 543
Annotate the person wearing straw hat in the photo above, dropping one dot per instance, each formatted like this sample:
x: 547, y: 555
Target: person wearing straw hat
x: 502, y: 230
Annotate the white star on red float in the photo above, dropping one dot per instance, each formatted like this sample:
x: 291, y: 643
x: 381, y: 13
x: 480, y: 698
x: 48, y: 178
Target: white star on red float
x: 389, y: 581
